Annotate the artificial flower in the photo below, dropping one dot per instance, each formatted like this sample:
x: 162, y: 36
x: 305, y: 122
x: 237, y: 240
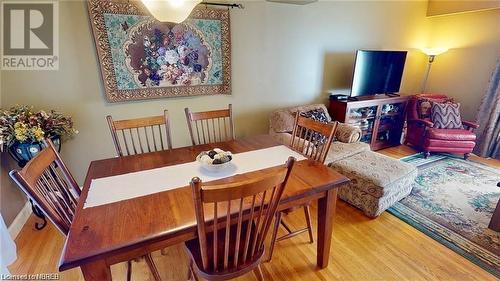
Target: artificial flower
x: 37, y: 133
x: 23, y: 124
x: 171, y: 56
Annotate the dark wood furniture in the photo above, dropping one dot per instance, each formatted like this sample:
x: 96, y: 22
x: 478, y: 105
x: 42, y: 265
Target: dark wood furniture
x: 495, y: 219
x: 108, y: 234
x: 241, y: 245
x: 312, y: 139
x: 140, y: 135
x: 380, y: 118
x: 210, y: 126
x: 49, y: 184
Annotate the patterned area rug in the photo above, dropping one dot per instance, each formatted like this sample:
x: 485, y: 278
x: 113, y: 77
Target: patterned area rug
x: 452, y: 201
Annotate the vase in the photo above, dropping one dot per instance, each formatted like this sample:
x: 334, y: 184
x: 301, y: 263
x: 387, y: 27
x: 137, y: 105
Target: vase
x: 23, y: 152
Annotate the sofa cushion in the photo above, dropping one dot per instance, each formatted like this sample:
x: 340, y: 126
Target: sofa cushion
x: 446, y: 115
x: 451, y: 134
x: 338, y: 150
x: 448, y: 146
x: 374, y: 173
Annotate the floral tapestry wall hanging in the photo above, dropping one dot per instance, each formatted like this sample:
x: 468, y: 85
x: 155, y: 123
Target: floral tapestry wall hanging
x: 142, y: 58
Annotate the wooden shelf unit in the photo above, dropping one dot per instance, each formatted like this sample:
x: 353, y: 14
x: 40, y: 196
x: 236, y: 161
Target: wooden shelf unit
x: 380, y: 124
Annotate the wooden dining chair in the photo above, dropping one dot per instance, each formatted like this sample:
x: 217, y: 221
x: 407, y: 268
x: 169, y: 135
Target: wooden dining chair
x: 141, y: 135
x: 312, y: 139
x: 48, y: 183
x: 231, y: 242
x: 210, y: 126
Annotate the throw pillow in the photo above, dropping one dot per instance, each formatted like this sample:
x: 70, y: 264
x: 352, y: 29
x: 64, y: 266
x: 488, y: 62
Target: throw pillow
x: 424, y: 106
x: 316, y: 115
x: 446, y: 115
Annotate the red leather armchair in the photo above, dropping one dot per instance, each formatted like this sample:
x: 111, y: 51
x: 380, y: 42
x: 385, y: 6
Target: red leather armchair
x: 421, y: 133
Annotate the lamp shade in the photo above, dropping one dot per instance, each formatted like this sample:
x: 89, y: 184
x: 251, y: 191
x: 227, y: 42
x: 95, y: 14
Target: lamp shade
x: 175, y: 11
x: 434, y: 51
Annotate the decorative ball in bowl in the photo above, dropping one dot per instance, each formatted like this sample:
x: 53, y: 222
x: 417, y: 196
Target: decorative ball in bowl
x: 215, y: 159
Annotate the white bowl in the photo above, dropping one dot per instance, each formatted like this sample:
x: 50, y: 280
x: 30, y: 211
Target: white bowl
x: 213, y: 167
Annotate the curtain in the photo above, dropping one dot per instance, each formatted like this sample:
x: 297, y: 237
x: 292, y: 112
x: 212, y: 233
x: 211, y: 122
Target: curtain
x: 488, y: 118
x: 7, y: 248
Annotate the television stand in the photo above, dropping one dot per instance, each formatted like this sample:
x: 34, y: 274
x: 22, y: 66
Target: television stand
x: 380, y: 118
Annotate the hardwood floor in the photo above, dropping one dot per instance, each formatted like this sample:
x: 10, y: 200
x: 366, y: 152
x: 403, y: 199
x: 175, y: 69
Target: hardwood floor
x: 385, y: 248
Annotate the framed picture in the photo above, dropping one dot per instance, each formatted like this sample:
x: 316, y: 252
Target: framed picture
x: 142, y: 58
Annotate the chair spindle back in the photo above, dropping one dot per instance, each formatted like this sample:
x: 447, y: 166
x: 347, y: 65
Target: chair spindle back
x: 210, y: 126
x: 47, y: 181
x: 141, y: 135
x: 245, y: 209
x: 312, y: 138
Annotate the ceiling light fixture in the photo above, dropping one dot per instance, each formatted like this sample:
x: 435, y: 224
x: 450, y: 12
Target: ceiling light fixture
x: 177, y: 11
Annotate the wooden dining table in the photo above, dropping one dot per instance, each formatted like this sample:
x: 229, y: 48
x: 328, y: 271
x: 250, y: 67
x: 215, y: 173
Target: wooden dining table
x: 112, y: 233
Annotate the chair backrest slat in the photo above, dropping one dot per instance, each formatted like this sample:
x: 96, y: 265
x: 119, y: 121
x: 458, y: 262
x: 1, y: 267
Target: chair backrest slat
x: 153, y: 136
x: 228, y: 233
x: 312, y: 138
x: 133, y: 141
x: 257, y: 223
x: 147, y: 139
x: 247, y: 235
x: 131, y: 136
x: 238, y: 234
x: 204, y: 129
x: 216, y: 232
x: 47, y: 181
x: 242, y: 214
x: 167, y: 133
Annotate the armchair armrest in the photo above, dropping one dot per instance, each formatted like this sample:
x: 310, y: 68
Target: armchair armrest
x: 347, y: 133
x: 470, y: 125
x: 423, y: 122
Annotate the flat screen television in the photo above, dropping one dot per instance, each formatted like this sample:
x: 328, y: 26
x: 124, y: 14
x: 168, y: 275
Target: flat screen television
x: 377, y: 72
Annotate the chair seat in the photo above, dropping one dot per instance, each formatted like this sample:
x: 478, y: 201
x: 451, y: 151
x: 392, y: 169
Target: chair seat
x: 194, y: 251
x: 451, y: 134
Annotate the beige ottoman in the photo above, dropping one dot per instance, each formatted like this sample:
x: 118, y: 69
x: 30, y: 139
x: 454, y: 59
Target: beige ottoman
x: 377, y: 181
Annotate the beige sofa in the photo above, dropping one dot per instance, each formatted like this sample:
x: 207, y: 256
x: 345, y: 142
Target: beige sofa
x: 377, y: 181
x: 346, y: 141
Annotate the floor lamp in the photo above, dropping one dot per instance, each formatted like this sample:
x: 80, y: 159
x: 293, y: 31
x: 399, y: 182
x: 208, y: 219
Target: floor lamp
x: 431, y: 53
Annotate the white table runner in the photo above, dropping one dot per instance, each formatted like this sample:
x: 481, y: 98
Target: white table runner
x: 122, y: 187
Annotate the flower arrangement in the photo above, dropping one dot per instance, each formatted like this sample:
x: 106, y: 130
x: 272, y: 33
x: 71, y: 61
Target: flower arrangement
x: 23, y: 125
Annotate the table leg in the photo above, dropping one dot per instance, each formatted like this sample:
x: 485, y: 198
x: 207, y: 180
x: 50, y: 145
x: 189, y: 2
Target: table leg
x: 96, y: 271
x: 326, y: 212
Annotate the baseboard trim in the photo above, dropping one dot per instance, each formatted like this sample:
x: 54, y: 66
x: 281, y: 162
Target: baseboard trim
x: 20, y: 220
